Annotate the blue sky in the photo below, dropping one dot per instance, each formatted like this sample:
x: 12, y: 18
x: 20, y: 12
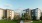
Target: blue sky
x: 20, y: 4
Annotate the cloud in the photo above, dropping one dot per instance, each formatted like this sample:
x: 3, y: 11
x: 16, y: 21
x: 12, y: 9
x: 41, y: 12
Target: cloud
x: 19, y: 10
x: 8, y: 6
x: 1, y: 6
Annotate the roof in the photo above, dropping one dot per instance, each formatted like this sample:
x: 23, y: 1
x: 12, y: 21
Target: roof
x: 9, y: 9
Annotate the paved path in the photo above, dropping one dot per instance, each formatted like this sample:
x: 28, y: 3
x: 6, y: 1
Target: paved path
x: 27, y: 22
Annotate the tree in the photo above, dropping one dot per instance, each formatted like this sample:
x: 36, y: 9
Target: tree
x: 17, y: 17
x: 26, y: 16
x: 22, y: 17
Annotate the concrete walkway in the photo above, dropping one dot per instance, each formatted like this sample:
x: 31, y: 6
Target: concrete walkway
x: 27, y: 22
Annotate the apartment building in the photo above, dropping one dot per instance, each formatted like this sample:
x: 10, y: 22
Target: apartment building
x: 41, y: 16
x: 1, y: 13
x: 36, y: 13
x: 33, y: 14
x: 17, y: 16
x: 28, y: 11
x: 9, y: 14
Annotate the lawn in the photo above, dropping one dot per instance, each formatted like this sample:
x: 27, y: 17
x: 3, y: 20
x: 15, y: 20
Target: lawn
x: 33, y: 22
x: 16, y: 21
x: 37, y: 21
x: 9, y: 21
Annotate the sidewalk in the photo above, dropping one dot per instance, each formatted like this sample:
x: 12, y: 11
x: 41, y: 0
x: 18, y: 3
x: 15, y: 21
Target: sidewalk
x: 27, y: 21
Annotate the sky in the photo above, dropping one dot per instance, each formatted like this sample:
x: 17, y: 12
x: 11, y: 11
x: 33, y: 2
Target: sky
x: 18, y: 5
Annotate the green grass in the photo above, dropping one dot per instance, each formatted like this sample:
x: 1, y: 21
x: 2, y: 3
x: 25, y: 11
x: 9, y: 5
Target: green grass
x: 9, y: 21
x: 37, y: 21
x: 16, y: 21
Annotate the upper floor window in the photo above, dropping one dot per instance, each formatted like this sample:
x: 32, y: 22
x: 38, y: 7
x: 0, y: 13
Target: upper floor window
x: 27, y: 12
x: 32, y: 11
x: 32, y: 15
x: 10, y: 11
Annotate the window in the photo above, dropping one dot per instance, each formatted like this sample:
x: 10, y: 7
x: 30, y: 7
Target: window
x: 32, y: 11
x: 10, y: 11
x: 32, y: 14
x: 32, y: 18
x: 10, y: 15
x: 27, y: 12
